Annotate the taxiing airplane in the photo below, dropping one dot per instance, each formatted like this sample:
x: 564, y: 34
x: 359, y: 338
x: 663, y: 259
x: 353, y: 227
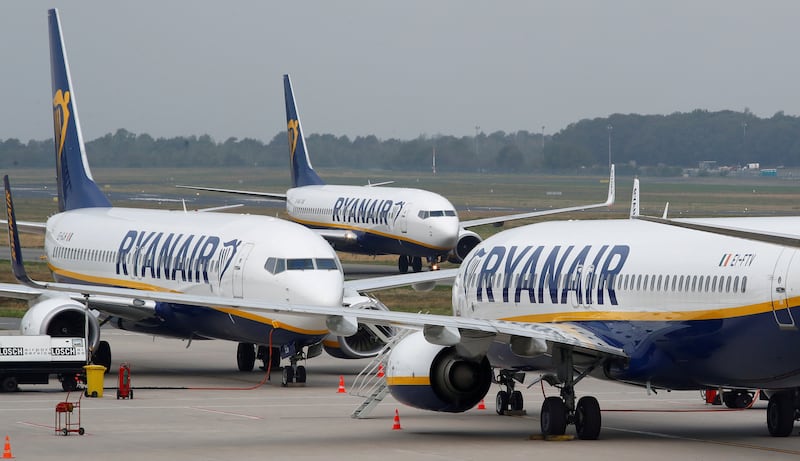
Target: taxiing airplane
x: 205, y: 255
x: 374, y: 220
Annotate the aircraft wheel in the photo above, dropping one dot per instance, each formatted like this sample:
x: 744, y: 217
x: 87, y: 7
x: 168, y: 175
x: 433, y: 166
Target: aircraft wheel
x: 780, y: 414
x: 501, y: 402
x: 416, y: 264
x: 300, y: 376
x: 245, y: 356
x: 81, y: 431
x: 68, y: 384
x: 516, y: 402
x: 402, y: 264
x: 587, y: 418
x: 553, y: 418
x: 287, y: 376
x: 102, y: 355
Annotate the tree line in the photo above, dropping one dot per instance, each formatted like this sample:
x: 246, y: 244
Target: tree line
x: 649, y: 144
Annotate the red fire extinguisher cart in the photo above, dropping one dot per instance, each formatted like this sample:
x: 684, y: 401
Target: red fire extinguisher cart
x: 124, y: 390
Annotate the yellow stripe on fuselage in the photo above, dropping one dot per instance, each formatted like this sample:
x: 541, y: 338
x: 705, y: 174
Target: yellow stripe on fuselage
x: 655, y: 316
x: 369, y: 231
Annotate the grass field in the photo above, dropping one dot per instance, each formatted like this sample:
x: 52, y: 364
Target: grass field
x: 474, y: 195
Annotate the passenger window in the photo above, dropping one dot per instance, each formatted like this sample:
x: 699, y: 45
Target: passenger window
x: 736, y: 284
x: 744, y: 283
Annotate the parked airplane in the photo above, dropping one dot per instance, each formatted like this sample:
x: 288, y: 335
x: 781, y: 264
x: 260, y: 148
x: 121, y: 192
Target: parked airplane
x: 202, y: 254
x: 411, y: 223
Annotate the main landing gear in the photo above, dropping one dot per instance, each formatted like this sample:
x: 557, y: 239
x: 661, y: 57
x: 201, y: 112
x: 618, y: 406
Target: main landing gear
x: 509, y: 400
x: 557, y: 412
x: 403, y: 263
x: 294, y: 373
x: 246, y: 356
x: 782, y: 411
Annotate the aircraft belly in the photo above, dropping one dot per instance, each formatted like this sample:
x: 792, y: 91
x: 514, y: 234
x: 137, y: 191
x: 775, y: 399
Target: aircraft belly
x: 745, y: 352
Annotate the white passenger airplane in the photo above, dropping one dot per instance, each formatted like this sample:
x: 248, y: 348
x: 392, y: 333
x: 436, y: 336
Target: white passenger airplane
x: 203, y: 254
x: 373, y: 220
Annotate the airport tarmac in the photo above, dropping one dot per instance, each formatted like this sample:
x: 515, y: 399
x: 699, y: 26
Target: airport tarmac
x: 192, y: 404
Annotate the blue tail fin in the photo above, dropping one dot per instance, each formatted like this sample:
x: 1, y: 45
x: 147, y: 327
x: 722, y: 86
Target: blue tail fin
x: 76, y: 188
x: 303, y: 173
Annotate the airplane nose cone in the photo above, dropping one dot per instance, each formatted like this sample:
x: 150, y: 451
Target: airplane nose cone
x: 317, y: 288
x: 444, y: 232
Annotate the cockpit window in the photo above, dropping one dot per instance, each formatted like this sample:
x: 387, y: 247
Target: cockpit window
x: 425, y: 214
x: 299, y: 264
x: 328, y: 264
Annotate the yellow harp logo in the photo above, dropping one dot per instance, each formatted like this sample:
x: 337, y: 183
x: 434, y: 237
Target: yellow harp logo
x: 60, y: 118
x: 294, y: 133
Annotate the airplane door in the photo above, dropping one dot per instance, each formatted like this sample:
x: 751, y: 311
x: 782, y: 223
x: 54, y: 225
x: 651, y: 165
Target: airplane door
x: 401, y: 220
x: 238, y: 270
x: 780, y: 296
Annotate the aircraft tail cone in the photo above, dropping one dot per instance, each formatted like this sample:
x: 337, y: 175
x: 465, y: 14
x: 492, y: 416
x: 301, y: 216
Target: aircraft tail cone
x: 396, y: 426
x: 481, y: 405
x: 380, y: 371
x: 7, y: 450
x: 341, y: 386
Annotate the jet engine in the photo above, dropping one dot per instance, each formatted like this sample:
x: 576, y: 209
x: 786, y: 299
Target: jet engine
x: 60, y: 316
x: 467, y: 240
x: 431, y: 377
x: 367, y: 341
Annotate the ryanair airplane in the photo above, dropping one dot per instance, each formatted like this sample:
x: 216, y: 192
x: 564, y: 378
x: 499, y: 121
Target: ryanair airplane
x: 203, y: 255
x: 656, y: 303
x: 375, y: 220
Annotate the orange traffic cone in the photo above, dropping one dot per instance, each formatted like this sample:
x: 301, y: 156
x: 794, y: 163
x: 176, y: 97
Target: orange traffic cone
x: 341, y: 386
x: 380, y: 370
x: 7, y: 450
x: 396, y: 426
x: 481, y: 406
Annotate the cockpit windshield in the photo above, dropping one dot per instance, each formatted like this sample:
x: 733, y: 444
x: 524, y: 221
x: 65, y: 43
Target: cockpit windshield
x: 278, y: 265
x: 425, y: 214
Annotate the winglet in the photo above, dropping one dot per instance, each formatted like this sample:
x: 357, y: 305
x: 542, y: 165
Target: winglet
x: 611, y: 187
x: 76, y: 188
x: 17, y: 265
x: 303, y: 173
x: 635, y: 199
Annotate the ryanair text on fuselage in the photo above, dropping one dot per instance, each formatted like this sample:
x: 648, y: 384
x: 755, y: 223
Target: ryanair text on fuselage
x: 540, y: 270
x: 363, y: 210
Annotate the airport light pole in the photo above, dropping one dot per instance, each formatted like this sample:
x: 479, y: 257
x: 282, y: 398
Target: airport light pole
x: 609, y: 128
x: 477, y: 129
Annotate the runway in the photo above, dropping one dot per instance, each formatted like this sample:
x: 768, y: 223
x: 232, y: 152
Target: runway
x: 185, y: 408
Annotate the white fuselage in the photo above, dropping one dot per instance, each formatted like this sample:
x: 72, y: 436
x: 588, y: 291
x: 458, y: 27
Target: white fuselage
x: 208, y: 254
x: 390, y: 220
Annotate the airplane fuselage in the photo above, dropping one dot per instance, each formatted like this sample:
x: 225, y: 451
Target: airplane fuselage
x: 206, y: 254
x: 384, y: 220
x: 691, y: 309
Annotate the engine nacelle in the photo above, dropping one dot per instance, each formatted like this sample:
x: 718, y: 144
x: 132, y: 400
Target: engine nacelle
x: 430, y: 377
x: 367, y: 341
x: 59, y: 316
x: 467, y: 240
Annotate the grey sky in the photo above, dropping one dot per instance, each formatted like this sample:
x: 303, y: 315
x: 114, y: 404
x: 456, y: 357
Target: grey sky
x: 395, y: 69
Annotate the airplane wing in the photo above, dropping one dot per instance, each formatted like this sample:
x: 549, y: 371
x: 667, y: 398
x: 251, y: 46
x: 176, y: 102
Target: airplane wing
x: 401, y: 280
x: 533, y: 214
x: 29, y: 227
x: 765, y: 236
x: 275, y: 196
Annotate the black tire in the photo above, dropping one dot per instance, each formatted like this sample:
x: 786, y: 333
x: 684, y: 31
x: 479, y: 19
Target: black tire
x: 9, y: 384
x: 68, y: 384
x: 130, y: 394
x: 553, y: 418
x: 65, y: 431
x: 102, y: 355
x: 287, y: 376
x: 587, y: 418
x: 81, y: 431
x: 501, y: 402
x: 416, y: 264
x: 780, y: 414
x: 516, y: 402
x: 402, y: 264
x: 300, y: 375
x: 246, y: 356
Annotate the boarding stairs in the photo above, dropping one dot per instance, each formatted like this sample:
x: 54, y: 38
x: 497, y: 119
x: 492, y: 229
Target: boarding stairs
x: 371, y: 386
